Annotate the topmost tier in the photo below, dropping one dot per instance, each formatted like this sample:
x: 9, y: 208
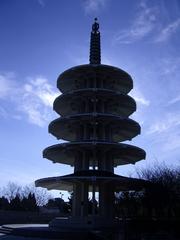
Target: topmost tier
x: 95, y: 44
x: 95, y: 76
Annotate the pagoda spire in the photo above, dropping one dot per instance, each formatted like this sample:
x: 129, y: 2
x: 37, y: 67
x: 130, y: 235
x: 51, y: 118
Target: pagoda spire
x: 95, y: 48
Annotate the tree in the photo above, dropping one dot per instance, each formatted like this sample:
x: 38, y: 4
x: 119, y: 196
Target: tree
x: 4, y: 203
x: 163, y: 194
x: 26, y: 198
x: 127, y: 203
x: 42, y: 196
x: 11, y: 191
x: 160, y: 198
x: 29, y: 203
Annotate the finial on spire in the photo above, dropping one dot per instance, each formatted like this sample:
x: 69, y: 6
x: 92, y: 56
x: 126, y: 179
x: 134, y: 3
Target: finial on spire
x: 95, y: 26
x: 95, y: 49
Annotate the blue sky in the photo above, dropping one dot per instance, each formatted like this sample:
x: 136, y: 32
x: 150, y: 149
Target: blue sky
x: 41, y: 38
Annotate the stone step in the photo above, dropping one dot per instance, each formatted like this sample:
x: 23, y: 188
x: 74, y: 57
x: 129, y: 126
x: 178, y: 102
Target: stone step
x: 5, y: 230
x: 157, y: 237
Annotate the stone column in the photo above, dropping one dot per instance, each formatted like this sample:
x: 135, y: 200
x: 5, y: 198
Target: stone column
x: 101, y: 161
x: 76, y: 205
x: 109, y: 164
x: 84, y: 199
x: 85, y: 161
x: 78, y: 161
x: 106, y: 200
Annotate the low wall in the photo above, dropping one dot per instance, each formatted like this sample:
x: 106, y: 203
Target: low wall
x: 26, y: 217
x: 151, y: 229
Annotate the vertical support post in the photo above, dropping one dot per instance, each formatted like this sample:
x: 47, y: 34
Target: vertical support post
x: 93, y: 197
x: 76, y: 206
x: 106, y: 200
x: 84, y: 199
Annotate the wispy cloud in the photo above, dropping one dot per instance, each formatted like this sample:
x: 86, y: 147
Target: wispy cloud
x: 94, y: 6
x: 141, y: 26
x: 146, y: 24
x: 35, y: 113
x: 172, y: 142
x: 169, y: 65
x: 165, y: 123
x: 41, y: 2
x: 168, y: 31
x: 40, y: 88
x: 38, y: 95
x: 32, y: 101
x: 139, y: 97
x: 3, y: 112
x: 6, y: 84
x: 163, y: 136
x: 174, y: 100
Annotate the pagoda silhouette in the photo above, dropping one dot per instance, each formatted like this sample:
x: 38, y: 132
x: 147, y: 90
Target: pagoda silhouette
x: 94, y: 111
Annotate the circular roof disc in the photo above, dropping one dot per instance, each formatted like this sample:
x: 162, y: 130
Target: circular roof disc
x: 114, y: 102
x: 75, y: 127
x: 83, y: 76
x: 92, y: 177
x: 120, y: 153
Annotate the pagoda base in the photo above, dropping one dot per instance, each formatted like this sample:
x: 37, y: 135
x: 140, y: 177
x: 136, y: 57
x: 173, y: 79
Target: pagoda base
x: 84, y: 223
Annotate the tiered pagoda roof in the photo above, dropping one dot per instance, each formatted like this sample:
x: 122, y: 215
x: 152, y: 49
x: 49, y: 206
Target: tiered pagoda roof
x: 94, y: 111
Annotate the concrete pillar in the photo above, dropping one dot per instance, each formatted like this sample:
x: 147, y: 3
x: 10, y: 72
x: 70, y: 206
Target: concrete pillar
x: 85, y: 161
x: 94, y: 105
x: 93, y: 198
x: 94, y: 160
x: 86, y: 83
x: 76, y: 205
x: 101, y: 83
x: 86, y: 106
x: 94, y: 131
x: 95, y: 82
x: 101, y: 161
x: 84, y: 131
x: 78, y: 162
x: 100, y: 131
x: 102, y: 106
x: 84, y: 199
x: 80, y: 199
x: 103, y: 131
x: 109, y: 163
x: 79, y: 132
x: 106, y: 200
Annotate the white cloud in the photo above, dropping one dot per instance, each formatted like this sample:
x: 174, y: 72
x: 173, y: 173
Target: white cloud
x: 169, y: 65
x: 93, y: 6
x: 141, y: 26
x: 37, y: 96
x: 146, y: 23
x: 158, y: 127
x: 34, y: 99
x: 35, y: 113
x: 139, y: 97
x: 108, y: 61
x: 6, y: 84
x: 168, y: 31
x: 174, y: 100
x: 164, y: 124
x: 172, y: 142
x: 40, y: 88
x: 3, y: 112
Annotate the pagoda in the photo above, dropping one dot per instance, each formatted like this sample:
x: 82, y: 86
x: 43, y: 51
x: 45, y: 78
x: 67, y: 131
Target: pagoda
x: 94, y: 110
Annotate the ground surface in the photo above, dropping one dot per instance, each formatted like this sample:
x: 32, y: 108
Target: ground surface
x: 10, y: 237
x: 42, y: 232
x: 5, y: 231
